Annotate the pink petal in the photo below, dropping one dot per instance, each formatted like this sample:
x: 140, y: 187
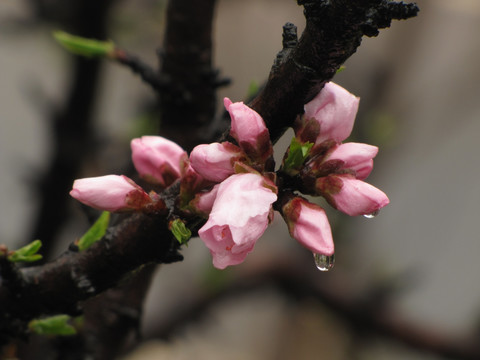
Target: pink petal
x: 334, y: 108
x: 203, y: 202
x: 157, y: 159
x: 110, y: 193
x: 215, y: 161
x: 248, y: 128
x: 352, y: 196
x: 308, y: 224
x: 239, y: 216
x: 355, y: 156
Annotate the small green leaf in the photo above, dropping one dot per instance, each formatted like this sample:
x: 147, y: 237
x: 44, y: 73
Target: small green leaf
x: 297, y: 153
x: 28, y: 253
x: 54, y: 325
x: 95, y: 233
x: 180, y: 231
x: 82, y: 46
x: 340, y: 69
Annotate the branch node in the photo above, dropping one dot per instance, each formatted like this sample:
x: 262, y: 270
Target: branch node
x: 290, y: 38
x: 289, y: 42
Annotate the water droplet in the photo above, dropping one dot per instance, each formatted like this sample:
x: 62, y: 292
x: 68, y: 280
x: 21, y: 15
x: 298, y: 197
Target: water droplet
x: 324, y: 262
x: 372, y: 215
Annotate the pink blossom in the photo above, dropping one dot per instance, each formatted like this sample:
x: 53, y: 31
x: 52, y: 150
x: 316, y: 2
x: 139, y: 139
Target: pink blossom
x: 239, y: 216
x: 350, y: 195
x: 333, y: 110
x: 249, y: 129
x: 355, y: 156
x: 215, y: 161
x: 157, y: 159
x: 308, y: 224
x: 110, y: 193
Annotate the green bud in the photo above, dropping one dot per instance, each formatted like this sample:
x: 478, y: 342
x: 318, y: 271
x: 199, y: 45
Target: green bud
x: 95, y: 233
x: 28, y: 253
x: 297, y: 153
x: 82, y: 46
x: 340, y: 69
x: 180, y: 231
x: 54, y: 325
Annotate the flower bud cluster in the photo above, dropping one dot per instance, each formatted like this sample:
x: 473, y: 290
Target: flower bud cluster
x: 239, y: 206
x: 331, y: 169
x: 233, y: 184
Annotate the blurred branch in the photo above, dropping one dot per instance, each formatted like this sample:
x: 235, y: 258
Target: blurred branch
x: 145, y: 71
x: 299, y: 282
x: 71, y: 128
x: 189, y: 102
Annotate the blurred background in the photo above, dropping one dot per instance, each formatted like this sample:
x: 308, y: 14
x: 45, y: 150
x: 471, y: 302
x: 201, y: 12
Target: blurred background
x: 413, y: 268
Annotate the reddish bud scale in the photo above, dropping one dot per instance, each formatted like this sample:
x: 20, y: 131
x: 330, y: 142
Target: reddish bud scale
x: 137, y: 199
x: 328, y: 185
x: 157, y: 205
x: 321, y: 168
x: 306, y: 130
x: 291, y: 210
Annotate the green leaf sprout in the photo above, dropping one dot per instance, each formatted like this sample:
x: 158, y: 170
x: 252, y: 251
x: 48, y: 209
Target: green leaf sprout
x: 28, y: 253
x: 297, y: 153
x: 95, y: 233
x: 54, y: 325
x: 82, y: 46
x: 180, y: 231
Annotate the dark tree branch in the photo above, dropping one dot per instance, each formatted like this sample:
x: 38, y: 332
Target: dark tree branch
x: 112, y: 321
x: 189, y: 102
x: 62, y: 285
x: 333, y: 32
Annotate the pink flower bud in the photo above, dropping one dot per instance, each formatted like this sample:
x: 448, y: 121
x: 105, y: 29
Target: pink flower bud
x: 157, y: 159
x: 350, y: 195
x: 308, y: 224
x: 355, y: 156
x: 215, y: 161
x: 249, y: 129
x: 333, y: 110
x: 203, y: 201
x: 239, y: 216
x: 191, y: 183
x: 110, y: 193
